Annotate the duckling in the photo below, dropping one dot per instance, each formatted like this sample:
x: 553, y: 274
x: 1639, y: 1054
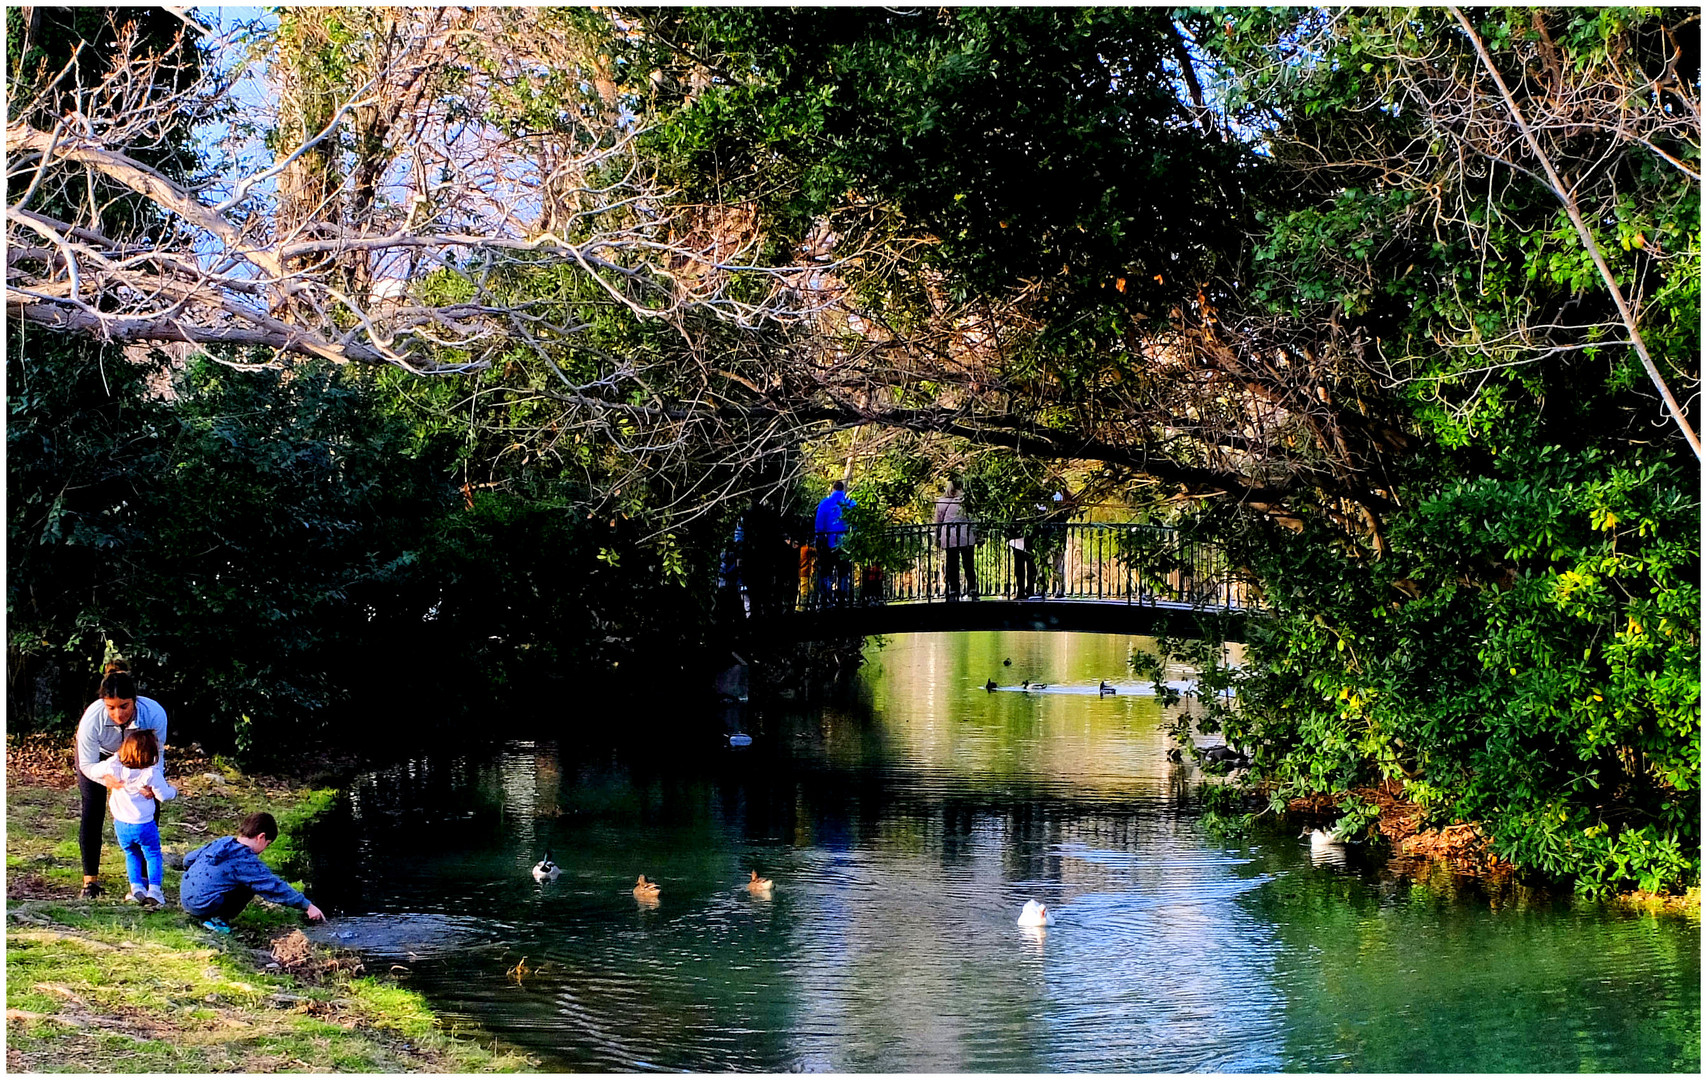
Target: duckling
x: 759, y: 886
x: 1104, y: 689
x: 545, y: 869
x: 990, y: 685
x: 1035, y: 914
x: 645, y: 890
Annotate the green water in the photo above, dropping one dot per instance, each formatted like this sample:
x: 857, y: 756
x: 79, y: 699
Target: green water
x: 904, y: 831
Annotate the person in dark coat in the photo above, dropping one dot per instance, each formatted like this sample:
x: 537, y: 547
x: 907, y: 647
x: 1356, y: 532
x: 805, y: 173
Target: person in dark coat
x: 222, y: 876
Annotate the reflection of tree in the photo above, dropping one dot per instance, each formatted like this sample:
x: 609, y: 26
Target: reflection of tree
x: 1057, y: 741
x: 1399, y: 980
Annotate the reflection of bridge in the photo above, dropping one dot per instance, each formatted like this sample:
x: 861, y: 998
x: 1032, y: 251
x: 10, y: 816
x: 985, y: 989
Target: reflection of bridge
x: 1100, y: 578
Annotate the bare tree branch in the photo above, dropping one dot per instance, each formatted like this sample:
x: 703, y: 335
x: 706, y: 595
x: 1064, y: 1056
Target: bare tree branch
x: 1564, y: 193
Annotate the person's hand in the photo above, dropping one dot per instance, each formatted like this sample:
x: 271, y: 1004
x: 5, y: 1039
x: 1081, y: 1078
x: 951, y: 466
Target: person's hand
x: 146, y: 792
x: 112, y: 782
x: 315, y: 914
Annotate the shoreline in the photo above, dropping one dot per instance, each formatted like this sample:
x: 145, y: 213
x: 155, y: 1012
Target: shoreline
x: 184, y: 999
x: 1462, y: 850
x: 267, y: 998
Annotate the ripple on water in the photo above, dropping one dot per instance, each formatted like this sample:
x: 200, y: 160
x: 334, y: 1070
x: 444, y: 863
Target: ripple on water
x: 399, y: 933
x: 904, y: 839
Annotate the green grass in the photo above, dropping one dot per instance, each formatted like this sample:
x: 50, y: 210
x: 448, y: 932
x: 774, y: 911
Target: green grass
x: 103, y: 986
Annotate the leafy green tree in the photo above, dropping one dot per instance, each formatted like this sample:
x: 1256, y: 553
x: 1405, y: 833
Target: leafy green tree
x: 1521, y: 648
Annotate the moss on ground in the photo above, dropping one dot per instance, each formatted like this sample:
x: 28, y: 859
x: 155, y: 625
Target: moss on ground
x: 103, y: 986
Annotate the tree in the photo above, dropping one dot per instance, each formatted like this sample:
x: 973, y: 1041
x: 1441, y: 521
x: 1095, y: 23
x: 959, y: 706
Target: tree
x: 403, y: 158
x: 85, y: 436
x: 274, y: 537
x: 1523, y: 653
x: 1011, y: 273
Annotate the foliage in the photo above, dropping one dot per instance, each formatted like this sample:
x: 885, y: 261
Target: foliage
x: 1517, y: 641
x: 277, y: 551
x: 86, y: 448
x: 1029, y: 142
x: 1526, y: 657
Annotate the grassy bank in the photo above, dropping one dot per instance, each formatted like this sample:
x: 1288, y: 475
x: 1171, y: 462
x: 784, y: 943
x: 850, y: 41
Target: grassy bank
x: 102, y: 986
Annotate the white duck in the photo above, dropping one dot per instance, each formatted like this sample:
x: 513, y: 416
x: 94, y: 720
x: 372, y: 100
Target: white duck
x: 545, y: 869
x: 1035, y: 914
x: 1320, y: 838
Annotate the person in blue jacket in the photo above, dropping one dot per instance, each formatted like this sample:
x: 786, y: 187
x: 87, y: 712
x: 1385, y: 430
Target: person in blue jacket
x: 221, y: 876
x: 835, y: 572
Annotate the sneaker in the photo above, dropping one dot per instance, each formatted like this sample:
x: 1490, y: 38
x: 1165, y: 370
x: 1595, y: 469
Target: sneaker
x: 157, y: 895
x: 146, y: 900
x: 218, y: 926
x: 90, y: 891
x: 135, y: 894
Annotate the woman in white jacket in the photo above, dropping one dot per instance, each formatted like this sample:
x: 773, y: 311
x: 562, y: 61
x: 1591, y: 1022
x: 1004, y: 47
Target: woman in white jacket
x: 141, y: 787
x: 100, y: 733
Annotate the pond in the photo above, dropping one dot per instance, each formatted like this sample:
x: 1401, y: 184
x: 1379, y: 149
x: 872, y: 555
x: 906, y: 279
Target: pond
x: 904, y: 831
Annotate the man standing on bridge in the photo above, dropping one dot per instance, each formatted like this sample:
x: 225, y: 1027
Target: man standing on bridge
x: 832, y: 531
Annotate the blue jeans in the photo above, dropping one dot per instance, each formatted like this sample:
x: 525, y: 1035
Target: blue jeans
x: 227, y: 907
x: 141, y: 847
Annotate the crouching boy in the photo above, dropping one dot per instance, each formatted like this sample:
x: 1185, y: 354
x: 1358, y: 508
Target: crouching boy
x: 220, y: 877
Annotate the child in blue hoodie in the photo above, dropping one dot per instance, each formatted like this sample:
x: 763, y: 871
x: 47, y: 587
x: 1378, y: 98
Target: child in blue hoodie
x: 221, y: 877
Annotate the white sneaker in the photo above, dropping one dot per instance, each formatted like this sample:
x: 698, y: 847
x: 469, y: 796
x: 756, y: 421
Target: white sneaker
x: 137, y: 892
x: 157, y: 894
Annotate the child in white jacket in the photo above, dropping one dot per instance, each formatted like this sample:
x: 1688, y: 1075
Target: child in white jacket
x: 140, y: 786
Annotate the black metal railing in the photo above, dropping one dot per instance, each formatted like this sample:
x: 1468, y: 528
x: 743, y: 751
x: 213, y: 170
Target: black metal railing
x: 1112, y: 563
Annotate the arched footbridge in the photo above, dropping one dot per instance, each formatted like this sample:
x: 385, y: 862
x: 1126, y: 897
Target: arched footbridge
x: 1086, y: 577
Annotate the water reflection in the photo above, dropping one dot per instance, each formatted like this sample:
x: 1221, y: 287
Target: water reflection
x: 1328, y: 855
x: 904, y: 832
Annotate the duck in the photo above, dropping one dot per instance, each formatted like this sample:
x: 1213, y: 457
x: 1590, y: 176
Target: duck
x: 1007, y: 661
x: 1029, y: 685
x: 1104, y: 689
x: 990, y: 685
x: 545, y: 869
x: 1322, y: 837
x: 1227, y: 755
x: 1035, y: 914
x: 645, y: 890
x: 759, y: 886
